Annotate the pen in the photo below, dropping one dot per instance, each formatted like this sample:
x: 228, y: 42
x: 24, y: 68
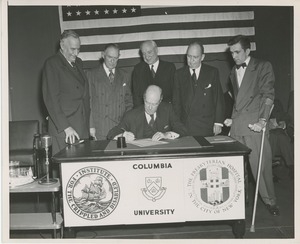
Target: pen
x: 123, y: 131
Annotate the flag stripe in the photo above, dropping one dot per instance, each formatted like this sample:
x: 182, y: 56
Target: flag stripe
x: 93, y: 33
x: 172, y: 34
x: 160, y: 43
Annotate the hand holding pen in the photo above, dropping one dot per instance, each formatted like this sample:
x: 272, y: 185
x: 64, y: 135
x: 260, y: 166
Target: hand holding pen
x: 129, y: 136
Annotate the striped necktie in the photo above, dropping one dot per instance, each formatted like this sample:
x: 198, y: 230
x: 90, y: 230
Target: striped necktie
x: 151, y: 122
x: 152, y: 71
x: 111, y: 76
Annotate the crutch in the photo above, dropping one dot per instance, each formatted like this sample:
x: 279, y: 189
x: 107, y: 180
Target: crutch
x: 252, y: 228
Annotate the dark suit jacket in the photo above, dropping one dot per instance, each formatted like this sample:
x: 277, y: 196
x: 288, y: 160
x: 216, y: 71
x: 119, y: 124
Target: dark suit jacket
x: 254, y: 99
x: 133, y: 121
x: 66, y: 96
x: 199, y: 111
x: 142, y: 78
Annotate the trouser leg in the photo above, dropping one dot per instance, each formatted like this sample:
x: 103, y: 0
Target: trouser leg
x: 266, y: 185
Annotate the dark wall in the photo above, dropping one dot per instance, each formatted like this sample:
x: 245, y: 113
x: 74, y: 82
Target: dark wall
x: 274, y: 40
x: 34, y: 33
x: 32, y: 36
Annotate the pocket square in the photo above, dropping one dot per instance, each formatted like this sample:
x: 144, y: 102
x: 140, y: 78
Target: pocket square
x: 166, y: 126
x: 209, y: 86
x: 124, y: 84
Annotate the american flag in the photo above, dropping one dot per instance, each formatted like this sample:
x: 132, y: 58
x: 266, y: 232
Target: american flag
x: 172, y: 27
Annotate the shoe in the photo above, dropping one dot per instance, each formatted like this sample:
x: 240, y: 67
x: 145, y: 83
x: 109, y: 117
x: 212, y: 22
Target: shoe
x: 273, y: 209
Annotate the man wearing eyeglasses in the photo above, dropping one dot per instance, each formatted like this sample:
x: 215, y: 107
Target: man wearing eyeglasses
x: 154, y: 119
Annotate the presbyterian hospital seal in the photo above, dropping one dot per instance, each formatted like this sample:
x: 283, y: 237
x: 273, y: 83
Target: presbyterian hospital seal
x: 215, y: 186
x: 92, y: 193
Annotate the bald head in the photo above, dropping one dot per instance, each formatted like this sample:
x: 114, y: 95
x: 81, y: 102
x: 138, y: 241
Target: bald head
x: 152, y: 98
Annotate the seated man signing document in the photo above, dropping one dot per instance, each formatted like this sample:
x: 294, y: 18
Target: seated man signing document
x: 155, y: 119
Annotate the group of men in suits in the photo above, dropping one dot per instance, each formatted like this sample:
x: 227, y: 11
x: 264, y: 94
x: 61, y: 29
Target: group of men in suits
x: 187, y: 101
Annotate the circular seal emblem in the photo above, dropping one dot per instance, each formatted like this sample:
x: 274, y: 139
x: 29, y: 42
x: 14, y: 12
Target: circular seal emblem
x: 92, y: 193
x: 215, y: 186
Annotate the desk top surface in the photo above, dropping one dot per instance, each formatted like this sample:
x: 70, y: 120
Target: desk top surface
x: 97, y: 151
x: 35, y: 186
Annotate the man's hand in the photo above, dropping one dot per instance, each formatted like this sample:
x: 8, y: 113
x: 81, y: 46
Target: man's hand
x: 158, y: 136
x: 217, y: 129
x: 171, y: 135
x: 282, y: 124
x: 258, y: 126
x: 129, y: 136
x: 228, y: 122
x: 93, y: 133
x: 71, y: 135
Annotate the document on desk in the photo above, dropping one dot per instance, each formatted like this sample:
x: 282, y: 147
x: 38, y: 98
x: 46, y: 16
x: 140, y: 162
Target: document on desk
x: 219, y: 139
x: 146, y: 142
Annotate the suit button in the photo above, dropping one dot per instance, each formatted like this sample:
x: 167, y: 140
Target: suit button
x: 77, y: 87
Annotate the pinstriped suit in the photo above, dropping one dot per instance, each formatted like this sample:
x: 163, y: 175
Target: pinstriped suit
x: 108, y: 101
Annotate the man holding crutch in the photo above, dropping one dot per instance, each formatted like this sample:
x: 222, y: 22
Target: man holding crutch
x: 253, y: 87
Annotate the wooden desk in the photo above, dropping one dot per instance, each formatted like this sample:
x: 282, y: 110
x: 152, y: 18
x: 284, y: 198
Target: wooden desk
x: 35, y: 221
x: 149, y: 185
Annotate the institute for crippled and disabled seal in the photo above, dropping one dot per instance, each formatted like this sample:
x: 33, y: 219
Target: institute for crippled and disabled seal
x: 92, y: 193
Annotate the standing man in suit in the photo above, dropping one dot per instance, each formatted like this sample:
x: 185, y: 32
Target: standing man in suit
x: 253, y: 87
x: 197, y: 96
x: 155, y: 119
x: 110, y: 93
x: 66, y: 93
x: 152, y: 70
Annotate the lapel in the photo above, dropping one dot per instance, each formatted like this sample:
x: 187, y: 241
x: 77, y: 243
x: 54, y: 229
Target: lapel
x: 159, y: 70
x: 104, y: 78
x: 246, y: 82
x: 159, y: 117
x: 187, y: 89
x: 203, y: 80
x: 234, y: 83
x: 80, y: 77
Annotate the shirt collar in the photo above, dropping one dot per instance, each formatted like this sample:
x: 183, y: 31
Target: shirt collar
x: 107, y: 71
x: 247, y: 60
x: 148, y: 117
x: 197, y: 71
x: 155, y: 65
x: 65, y: 57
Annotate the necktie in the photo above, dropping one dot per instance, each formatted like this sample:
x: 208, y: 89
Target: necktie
x: 74, y: 66
x: 151, y: 122
x: 194, y: 78
x: 111, y: 76
x: 241, y: 65
x: 152, y: 71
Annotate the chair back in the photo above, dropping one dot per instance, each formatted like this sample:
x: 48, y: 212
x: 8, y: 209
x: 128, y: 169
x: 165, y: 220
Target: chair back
x: 21, y: 134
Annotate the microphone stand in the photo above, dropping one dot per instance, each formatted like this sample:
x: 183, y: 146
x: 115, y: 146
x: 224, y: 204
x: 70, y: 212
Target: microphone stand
x: 46, y: 143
